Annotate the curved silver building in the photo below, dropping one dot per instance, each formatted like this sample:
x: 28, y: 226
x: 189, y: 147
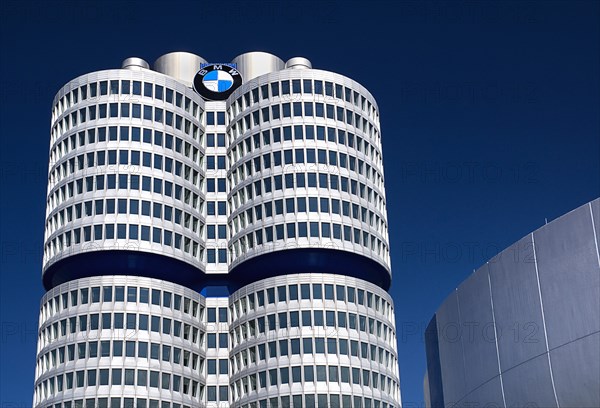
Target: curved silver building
x: 125, y: 183
x: 120, y: 341
x: 306, y: 177
x: 524, y: 329
x: 216, y: 235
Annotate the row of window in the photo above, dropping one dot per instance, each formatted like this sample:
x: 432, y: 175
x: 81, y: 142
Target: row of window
x: 119, y: 321
x: 303, y: 374
x: 251, y: 302
x: 125, y: 181
x: 107, y: 161
x: 317, y: 401
x: 239, y: 308
x: 339, y: 137
x: 299, y: 110
x: 130, y: 294
x: 291, y: 90
x: 131, y: 182
x: 292, y: 181
x: 318, y: 205
x: 177, y: 383
x: 119, y: 348
x: 115, y: 181
x: 319, y: 345
x: 294, y: 230
x: 328, y: 321
x: 215, y: 118
x: 309, y: 159
x: 118, y: 376
x: 124, y: 206
x: 123, y: 133
x: 133, y: 232
x: 308, y: 291
x: 284, y: 401
x: 215, y: 140
x: 216, y: 207
x: 217, y: 162
x: 125, y: 110
x: 116, y: 402
x: 126, y: 89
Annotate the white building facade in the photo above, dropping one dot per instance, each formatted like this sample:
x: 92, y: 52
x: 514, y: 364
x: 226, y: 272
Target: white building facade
x: 216, y: 235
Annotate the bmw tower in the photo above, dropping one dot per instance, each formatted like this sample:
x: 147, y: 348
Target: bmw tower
x: 216, y: 235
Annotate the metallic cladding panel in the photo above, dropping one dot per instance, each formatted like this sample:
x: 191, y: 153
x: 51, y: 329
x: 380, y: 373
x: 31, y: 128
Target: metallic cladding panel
x: 488, y: 395
x: 576, y: 369
x: 255, y: 64
x: 529, y: 383
x: 569, y: 276
x: 434, y: 394
x: 564, y: 271
x: 477, y: 323
x: 516, y: 304
x: 426, y: 398
x: 596, y: 214
x: 182, y: 66
x: 451, y: 353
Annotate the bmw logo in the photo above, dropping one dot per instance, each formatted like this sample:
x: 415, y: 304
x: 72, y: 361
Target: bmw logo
x: 217, y: 81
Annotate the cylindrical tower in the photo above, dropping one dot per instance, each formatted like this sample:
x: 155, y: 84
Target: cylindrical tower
x: 257, y: 183
x: 312, y: 340
x: 306, y: 178
x: 119, y: 341
x: 125, y: 178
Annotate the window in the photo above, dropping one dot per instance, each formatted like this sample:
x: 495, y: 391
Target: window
x: 223, y: 343
x: 329, y: 292
x: 223, y: 366
x: 211, y: 340
x: 223, y: 314
x: 305, y: 291
x: 223, y: 393
x: 211, y: 314
x: 211, y: 366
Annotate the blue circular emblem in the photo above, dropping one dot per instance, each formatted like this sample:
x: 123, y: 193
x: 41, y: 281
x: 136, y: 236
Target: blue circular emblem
x: 217, y: 81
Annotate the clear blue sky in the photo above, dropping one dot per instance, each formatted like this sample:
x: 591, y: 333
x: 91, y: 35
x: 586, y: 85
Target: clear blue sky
x: 489, y: 113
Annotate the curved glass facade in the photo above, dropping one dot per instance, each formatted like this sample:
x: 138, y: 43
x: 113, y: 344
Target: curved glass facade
x: 216, y: 252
